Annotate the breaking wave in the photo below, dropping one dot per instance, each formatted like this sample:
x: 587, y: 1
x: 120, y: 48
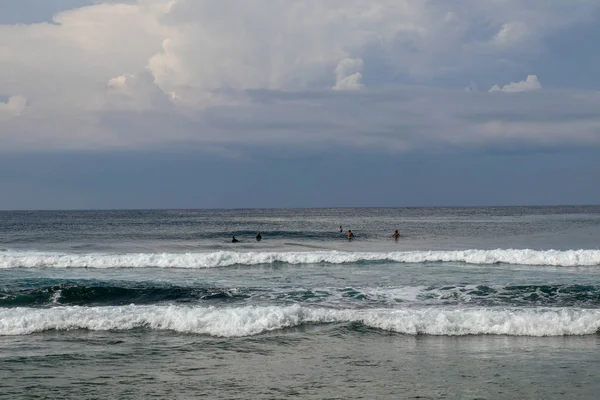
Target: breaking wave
x: 253, y: 320
x: 32, y: 259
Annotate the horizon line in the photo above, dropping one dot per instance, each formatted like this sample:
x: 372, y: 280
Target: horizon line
x: 293, y: 208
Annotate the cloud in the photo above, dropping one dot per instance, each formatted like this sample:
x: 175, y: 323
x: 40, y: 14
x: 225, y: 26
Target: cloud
x: 511, y: 33
x: 348, y: 74
x: 66, y: 64
x: 194, y: 48
x: 402, y: 119
x: 12, y: 107
x: 135, y: 92
x: 529, y: 84
x: 157, y: 73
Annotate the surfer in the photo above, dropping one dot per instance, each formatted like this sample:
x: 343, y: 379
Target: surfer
x: 340, y: 230
x: 396, y: 235
x: 258, y: 237
x: 234, y: 240
x: 350, y: 234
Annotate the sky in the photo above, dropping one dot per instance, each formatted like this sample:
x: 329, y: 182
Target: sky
x: 298, y: 103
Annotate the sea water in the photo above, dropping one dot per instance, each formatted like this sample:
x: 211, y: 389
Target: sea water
x: 470, y: 303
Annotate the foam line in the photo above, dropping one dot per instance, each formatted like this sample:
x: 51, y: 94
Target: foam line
x: 32, y: 259
x: 252, y: 320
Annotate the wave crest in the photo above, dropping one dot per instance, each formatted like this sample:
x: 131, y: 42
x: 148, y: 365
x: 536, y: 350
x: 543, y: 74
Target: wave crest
x: 32, y: 259
x: 253, y: 320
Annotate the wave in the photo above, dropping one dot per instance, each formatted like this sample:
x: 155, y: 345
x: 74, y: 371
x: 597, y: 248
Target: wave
x: 33, y: 259
x: 110, y: 294
x: 253, y: 320
x: 571, y: 295
x: 94, y: 293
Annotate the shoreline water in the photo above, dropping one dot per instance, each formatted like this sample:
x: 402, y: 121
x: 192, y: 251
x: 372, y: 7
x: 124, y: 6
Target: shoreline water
x: 318, y: 362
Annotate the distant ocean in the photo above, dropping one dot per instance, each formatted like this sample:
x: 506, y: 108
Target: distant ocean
x: 470, y: 303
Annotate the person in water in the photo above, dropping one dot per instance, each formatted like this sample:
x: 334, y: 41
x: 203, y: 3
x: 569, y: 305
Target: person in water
x: 396, y: 235
x: 258, y: 237
x: 340, y: 230
x: 350, y: 234
x: 234, y: 240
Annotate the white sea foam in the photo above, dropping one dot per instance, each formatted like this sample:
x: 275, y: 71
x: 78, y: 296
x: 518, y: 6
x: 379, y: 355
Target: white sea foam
x: 56, y: 296
x: 404, y: 294
x: 33, y: 259
x: 251, y: 320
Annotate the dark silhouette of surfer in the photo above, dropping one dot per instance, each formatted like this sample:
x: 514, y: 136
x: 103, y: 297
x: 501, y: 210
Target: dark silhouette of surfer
x: 234, y: 240
x: 258, y: 237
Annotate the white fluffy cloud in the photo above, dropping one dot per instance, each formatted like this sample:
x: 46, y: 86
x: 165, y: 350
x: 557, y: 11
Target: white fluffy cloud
x: 529, y: 84
x: 13, y: 106
x: 94, y: 75
x: 348, y: 74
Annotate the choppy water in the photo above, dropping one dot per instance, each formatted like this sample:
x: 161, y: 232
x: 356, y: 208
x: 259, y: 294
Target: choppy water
x: 469, y: 303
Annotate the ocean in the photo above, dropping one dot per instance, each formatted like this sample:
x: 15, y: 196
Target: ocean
x: 469, y: 303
